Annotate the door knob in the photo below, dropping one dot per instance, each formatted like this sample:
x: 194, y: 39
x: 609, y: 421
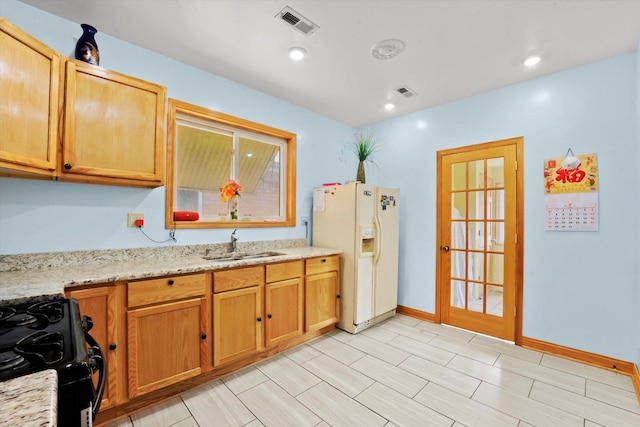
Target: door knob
x: 445, y: 248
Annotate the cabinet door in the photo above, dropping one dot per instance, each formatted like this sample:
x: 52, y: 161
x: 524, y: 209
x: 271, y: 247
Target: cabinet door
x: 237, y: 324
x: 322, y: 305
x: 165, y: 344
x: 104, y: 305
x: 30, y: 86
x: 284, y: 310
x: 114, y: 128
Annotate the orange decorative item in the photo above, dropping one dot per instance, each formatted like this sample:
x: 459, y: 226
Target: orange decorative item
x: 227, y: 193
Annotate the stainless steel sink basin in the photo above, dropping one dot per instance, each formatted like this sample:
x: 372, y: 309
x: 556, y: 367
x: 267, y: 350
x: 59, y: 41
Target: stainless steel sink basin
x: 237, y: 256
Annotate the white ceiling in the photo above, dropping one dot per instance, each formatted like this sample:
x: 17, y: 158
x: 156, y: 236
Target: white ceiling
x: 454, y: 48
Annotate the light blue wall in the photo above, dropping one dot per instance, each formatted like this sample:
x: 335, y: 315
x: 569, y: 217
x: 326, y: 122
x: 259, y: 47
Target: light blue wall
x: 41, y: 216
x: 580, y: 288
x: 637, y: 261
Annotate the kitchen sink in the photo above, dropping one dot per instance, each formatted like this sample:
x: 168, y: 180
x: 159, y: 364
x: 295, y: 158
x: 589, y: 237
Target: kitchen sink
x: 237, y: 256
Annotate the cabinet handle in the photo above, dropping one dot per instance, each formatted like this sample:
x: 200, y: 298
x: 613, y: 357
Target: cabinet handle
x: 259, y: 319
x: 203, y: 336
x: 338, y: 296
x: 170, y: 282
x: 324, y: 260
x: 67, y: 166
x: 112, y: 346
x: 269, y: 316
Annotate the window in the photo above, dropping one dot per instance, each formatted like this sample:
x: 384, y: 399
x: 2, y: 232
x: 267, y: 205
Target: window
x: 207, y: 149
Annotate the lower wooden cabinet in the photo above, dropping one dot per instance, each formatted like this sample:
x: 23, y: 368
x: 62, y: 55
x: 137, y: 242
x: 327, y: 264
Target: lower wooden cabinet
x: 167, y: 342
x: 284, y: 302
x: 161, y: 331
x: 237, y: 324
x: 105, y: 305
x: 322, y: 292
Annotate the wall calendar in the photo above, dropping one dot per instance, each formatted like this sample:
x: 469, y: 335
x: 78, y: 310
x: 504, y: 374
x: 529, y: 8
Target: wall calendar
x: 571, y: 195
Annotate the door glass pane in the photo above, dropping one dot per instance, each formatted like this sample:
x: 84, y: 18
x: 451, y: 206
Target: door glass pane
x: 495, y: 204
x: 495, y: 268
x: 476, y: 204
x: 458, y: 240
x: 458, y: 176
x: 458, y: 205
x: 495, y: 171
x: 457, y: 293
x: 475, y: 297
x: 476, y: 235
x: 458, y: 264
x: 494, y: 300
x: 476, y: 174
x: 476, y: 266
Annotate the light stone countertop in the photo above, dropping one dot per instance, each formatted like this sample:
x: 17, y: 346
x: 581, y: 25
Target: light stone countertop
x: 37, y: 276
x: 30, y: 400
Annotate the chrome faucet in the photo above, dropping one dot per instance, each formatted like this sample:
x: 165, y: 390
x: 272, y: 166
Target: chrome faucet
x: 234, y: 240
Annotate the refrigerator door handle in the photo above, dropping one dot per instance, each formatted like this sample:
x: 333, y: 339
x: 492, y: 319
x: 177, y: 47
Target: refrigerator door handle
x: 378, y: 228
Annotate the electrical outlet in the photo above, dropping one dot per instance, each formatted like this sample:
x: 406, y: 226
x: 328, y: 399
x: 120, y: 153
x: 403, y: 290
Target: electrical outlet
x: 305, y: 220
x: 131, y: 219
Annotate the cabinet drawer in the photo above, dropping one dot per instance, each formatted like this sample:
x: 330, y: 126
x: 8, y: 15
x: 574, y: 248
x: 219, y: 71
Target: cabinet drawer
x: 237, y: 278
x: 322, y: 264
x: 165, y: 289
x: 284, y: 271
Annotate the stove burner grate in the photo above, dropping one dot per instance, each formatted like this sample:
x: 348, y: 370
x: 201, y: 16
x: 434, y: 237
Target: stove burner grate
x: 6, y: 312
x: 21, y: 319
x: 52, y: 311
x: 45, y: 348
x: 9, y: 359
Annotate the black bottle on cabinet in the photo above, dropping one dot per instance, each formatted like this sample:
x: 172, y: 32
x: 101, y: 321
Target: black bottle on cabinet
x: 86, y: 48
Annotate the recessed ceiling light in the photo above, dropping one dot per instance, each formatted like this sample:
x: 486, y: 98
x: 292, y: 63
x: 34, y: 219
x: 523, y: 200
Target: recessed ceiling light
x: 297, y: 53
x: 532, y: 60
x: 389, y: 106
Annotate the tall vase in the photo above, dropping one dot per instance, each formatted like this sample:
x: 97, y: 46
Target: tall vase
x: 233, y: 209
x: 360, y: 175
x: 86, y: 48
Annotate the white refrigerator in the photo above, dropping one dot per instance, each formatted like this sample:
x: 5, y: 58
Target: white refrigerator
x: 363, y: 221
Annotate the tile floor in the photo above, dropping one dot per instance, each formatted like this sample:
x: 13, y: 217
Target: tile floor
x: 405, y: 372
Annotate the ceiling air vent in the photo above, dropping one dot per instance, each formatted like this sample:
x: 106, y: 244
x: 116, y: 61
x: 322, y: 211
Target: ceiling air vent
x: 297, y: 21
x: 406, y: 92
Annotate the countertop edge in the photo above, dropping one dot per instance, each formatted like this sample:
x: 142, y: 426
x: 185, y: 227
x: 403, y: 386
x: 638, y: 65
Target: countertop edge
x: 23, y: 285
x: 30, y: 400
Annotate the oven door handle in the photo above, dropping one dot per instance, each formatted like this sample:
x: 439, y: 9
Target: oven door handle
x: 100, y: 363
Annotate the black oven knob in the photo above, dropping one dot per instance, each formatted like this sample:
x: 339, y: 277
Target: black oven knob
x: 112, y: 346
x: 87, y: 323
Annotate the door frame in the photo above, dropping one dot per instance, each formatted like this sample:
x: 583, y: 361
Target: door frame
x: 518, y: 142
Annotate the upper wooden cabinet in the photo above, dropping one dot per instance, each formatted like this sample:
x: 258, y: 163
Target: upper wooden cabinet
x: 81, y: 123
x: 30, y: 85
x: 113, y: 128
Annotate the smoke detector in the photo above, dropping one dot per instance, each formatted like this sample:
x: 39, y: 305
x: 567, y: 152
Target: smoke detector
x: 387, y: 49
x: 406, y: 91
x: 298, y: 22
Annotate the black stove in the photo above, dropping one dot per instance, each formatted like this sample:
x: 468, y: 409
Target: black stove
x: 51, y: 334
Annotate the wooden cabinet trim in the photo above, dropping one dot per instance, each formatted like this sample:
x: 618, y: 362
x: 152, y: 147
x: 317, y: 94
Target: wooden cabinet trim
x: 238, y: 278
x: 284, y: 270
x: 322, y: 264
x: 155, y: 291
